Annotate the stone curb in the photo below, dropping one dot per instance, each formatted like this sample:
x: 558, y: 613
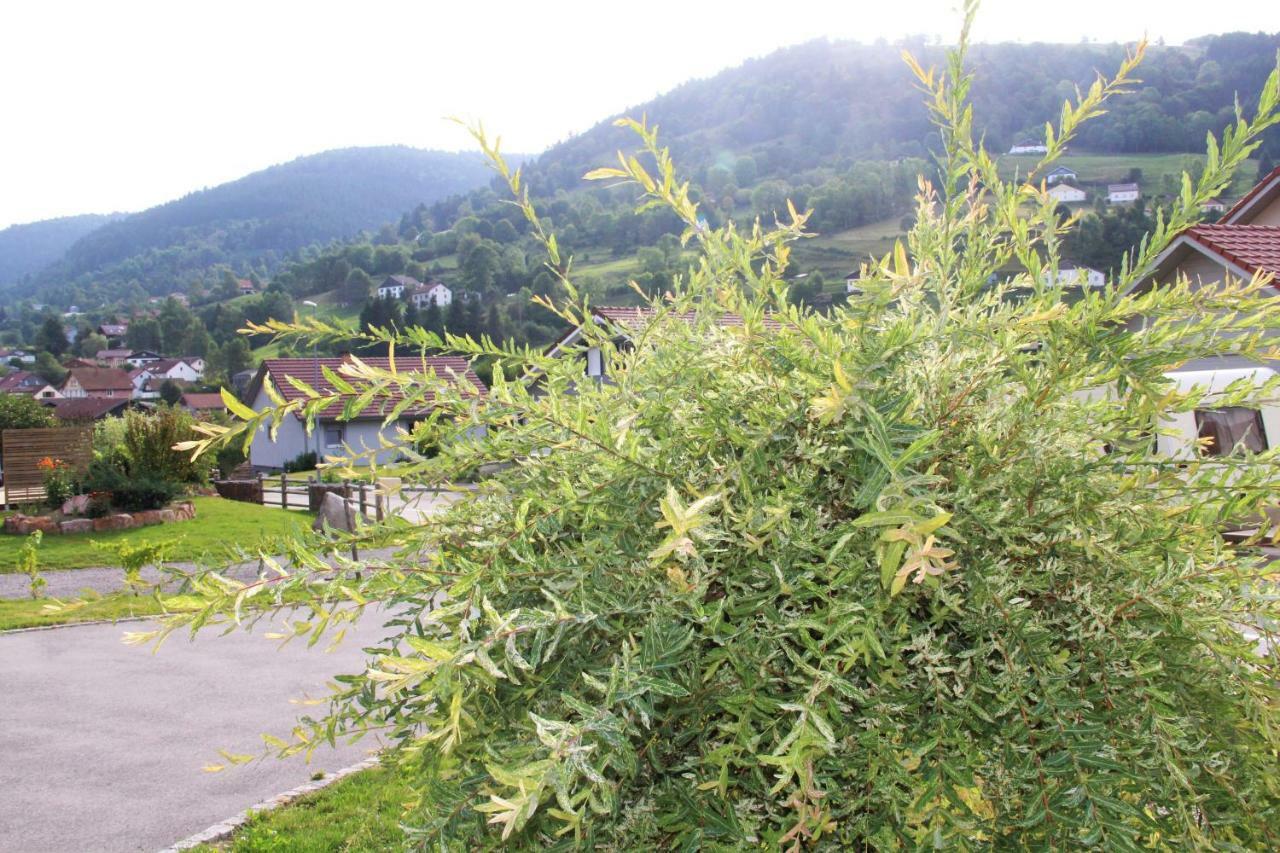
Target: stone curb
x: 225, y: 829
x: 83, y: 624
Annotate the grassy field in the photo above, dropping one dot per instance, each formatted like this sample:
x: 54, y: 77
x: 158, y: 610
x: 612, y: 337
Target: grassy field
x: 218, y: 524
x: 30, y: 613
x: 359, y: 813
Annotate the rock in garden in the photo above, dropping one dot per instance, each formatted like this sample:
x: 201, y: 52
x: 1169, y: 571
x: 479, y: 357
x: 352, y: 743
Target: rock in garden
x: 75, y: 505
x: 119, y: 521
x: 336, y: 514
x: 76, y: 525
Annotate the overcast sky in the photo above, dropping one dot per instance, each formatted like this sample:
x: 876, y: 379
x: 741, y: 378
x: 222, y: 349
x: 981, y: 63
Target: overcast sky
x: 125, y: 104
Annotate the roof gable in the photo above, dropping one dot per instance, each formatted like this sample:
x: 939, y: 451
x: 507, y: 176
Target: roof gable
x: 1255, y: 200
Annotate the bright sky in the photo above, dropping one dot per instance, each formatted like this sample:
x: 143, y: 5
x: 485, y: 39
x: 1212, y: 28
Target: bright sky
x: 126, y: 104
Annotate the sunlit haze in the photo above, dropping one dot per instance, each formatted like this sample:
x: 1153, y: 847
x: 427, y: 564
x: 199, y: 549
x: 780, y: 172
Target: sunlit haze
x: 119, y: 106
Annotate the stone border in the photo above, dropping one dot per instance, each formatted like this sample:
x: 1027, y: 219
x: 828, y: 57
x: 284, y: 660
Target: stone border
x: 223, y: 830
x: 18, y: 524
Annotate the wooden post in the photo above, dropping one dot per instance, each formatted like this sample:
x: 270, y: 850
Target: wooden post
x: 262, y: 490
x: 346, y: 503
x: 377, y: 504
x: 284, y: 490
x: 364, y: 507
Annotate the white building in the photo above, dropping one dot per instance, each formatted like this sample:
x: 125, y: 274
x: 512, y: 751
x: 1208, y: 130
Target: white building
x: 426, y: 294
x: 394, y: 286
x: 1061, y: 173
x: 1066, y: 194
x: 332, y: 435
x: 1080, y: 275
x: 1123, y: 193
x: 1029, y: 147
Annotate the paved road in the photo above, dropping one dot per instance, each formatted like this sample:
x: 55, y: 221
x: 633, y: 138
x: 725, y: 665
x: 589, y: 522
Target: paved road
x: 101, y: 744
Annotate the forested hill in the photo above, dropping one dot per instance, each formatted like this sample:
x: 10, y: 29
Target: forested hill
x: 254, y: 223
x: 827, y: 103
x: 30, y: 247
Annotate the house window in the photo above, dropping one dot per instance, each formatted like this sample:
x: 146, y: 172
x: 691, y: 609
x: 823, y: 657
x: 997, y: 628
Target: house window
x: 1229, y: 428
x: 333, y: 436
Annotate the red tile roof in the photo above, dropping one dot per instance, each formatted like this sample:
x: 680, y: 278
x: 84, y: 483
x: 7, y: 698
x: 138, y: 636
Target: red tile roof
x: 310, y: 371
x: 100, y: 378
x: 203, y: 402
x: 88, y: 408
x: 1267, y: 184
x: 1253, y: 247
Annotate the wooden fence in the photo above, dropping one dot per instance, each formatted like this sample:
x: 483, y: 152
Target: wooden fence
x: 23, y: 450
x: 302, y: 493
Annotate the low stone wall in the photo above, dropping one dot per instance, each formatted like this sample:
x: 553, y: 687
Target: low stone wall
x: 22, y: 524
x: 248, y: 491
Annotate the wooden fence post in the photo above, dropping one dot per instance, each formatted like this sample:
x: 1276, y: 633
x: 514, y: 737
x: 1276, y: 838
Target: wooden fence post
x: 377, y: 504
x: 262, y: 489
x: 364, y: 507
x: 346, y: 503
x: 284, y: 490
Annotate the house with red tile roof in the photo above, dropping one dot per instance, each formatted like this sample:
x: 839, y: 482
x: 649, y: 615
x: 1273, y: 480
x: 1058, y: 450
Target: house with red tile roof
x: 25, y: 382
x: 1244, y: 243
x: 336, y: 434
x: 200, y: 404
x: 110, y: 382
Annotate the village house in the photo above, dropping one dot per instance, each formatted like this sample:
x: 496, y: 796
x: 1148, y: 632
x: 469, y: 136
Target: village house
x: 1065, y: 193
x: 245, y: 287
x: 181, y: 369
x: 141, y: 378
x: 1214, y: 205
x: 203, y: 405
x: 333, y: 434
x: 426, y: 294
x: 1245, y: 242
x: 114, y: 357
x: 852, y: 285
x: 114, y: 332
x: 109, y: 382
x: 1061, y: 173
x: 394, y: 286
x: 142, y: 357
x: 82, y: 409
x: 1123, y: 193
x: 23, y: 382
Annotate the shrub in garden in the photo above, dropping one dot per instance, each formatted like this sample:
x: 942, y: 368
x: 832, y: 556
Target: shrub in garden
x: 127, y: 491
x: 866, y: 579
x: 302, y: 462
x: 148, y: 444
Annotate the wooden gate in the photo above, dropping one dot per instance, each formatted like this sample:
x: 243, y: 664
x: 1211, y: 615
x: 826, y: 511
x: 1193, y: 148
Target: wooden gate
x: 23, y: 450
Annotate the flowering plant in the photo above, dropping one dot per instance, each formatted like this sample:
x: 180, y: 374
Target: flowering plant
x: 59, y: 482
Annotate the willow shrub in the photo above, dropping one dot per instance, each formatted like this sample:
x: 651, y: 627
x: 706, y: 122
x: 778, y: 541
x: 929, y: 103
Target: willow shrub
x: 904, y: 574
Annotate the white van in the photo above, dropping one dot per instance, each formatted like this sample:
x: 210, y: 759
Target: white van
x: 1227, y: 427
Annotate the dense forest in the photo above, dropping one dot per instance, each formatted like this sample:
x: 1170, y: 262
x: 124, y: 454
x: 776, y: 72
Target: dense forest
x: 29, y: 248
x: 254, y: 223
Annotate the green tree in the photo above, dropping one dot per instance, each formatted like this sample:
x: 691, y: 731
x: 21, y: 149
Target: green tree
x: 902, y: 576
x: 88, y: 346
x: 480, y: 268
x: 235, y: 357
x: 48, y: 368
x: 20, y: 411
x: 53, y: 336
x: 357, y: 286
x: 144, y: 334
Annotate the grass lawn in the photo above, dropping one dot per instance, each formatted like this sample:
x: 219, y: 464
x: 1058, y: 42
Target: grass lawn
x: 218, y: 524
x: 30, y: 613
x: 359, y: 813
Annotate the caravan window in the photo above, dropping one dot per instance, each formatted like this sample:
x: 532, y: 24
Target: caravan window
x: 1231, y: 426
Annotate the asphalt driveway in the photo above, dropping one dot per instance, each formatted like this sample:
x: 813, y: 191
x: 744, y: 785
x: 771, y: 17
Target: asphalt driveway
x: 102, y: 744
